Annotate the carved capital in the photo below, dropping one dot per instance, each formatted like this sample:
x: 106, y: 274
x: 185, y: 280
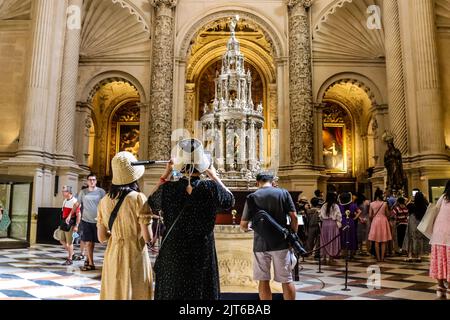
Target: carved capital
x: 303, y: 3
x: 168, y: 3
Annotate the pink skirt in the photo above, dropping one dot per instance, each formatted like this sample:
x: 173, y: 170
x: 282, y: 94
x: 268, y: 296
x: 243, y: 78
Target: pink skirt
x: 380, y: 229
x: 440, y: 262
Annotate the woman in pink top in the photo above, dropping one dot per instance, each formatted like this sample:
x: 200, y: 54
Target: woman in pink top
x: 380, y: 230
x: 440, y: 245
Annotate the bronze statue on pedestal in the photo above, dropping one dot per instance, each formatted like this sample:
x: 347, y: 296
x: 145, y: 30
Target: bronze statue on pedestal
x: 394, y: 165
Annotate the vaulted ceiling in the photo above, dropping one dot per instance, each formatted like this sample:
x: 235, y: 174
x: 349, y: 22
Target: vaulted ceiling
x: 342, y: 33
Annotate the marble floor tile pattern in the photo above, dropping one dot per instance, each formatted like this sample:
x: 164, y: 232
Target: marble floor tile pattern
x: 38, y: 273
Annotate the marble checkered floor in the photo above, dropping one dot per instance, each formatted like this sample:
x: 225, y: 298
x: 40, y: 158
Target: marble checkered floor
x: 37, y: 273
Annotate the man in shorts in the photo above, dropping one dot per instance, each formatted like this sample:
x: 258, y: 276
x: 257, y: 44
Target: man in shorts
x: 272, y: 246
x: 89, y: 199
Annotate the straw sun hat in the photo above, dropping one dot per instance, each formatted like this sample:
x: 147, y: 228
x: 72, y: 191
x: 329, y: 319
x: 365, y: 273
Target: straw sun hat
x: 123, y: 172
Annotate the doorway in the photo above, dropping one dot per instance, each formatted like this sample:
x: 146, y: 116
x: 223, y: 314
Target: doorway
x: 15, y: 198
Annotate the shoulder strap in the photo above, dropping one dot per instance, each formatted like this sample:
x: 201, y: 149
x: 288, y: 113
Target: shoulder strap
x: 378, y: 210
x: 113, y: 216
x: 173, y: 225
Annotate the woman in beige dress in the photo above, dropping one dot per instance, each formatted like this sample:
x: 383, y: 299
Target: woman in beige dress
x: 127, y: 273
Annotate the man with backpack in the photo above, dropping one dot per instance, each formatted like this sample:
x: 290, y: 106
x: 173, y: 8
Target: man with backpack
x: 271, y: 246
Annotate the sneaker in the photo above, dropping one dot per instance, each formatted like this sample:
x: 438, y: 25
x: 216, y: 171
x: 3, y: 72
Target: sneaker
x: 448, y: 294
x: 77, y: 257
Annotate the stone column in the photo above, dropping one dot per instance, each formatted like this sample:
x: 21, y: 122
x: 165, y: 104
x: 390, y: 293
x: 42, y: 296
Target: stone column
x: 32, y: 135
x: 395, y: 75
x: 242, y: 147
x: 431, y: 131
x: 252, y: 144
x: 65, y: 138
x: 161, y: 95
x: 222, y: 152
x: 300, y: 84
x: 189, y: 104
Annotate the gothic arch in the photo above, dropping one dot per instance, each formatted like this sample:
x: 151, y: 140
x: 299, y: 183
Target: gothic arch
x: 372, y: 90
x: 269, y: 30
x: 108, y: 77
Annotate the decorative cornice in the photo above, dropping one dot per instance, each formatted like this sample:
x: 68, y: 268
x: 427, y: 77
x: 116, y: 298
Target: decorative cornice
x: 134, y: 11
x: 304, y: 3
x: 169, y: 3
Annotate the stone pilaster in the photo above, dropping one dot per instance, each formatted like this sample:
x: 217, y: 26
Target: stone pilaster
x: 161, y: 95
x: 318, y: 129
x: 144, y: 125
x: 380, y: 114
x: 65, y: 138
x: 395, y: 75
x: 300, y: 84
x: 430, y: 126
x: 83, y: 132
x: 32, y: 137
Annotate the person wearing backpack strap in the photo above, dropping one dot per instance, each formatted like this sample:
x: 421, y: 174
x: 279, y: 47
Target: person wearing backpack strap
x: 127, y: 273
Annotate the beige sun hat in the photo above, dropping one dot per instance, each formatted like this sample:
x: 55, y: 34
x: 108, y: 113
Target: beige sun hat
x: 191, y: 152
x: 123, y: 172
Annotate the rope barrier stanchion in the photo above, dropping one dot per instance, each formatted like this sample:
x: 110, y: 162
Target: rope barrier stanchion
x: 347, y: 256
x: 320, y: 255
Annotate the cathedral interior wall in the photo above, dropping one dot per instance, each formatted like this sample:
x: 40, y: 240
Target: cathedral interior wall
x: 13, y: 66
x: 444, y: 64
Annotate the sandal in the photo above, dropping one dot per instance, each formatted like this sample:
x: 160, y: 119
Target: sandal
x: 68, y: 262
x: 440, y: 292
x: 87, y: 268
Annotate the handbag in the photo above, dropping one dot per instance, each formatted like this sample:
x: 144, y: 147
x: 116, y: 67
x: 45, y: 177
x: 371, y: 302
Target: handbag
x: 426, y: 225
x: 5, y: 221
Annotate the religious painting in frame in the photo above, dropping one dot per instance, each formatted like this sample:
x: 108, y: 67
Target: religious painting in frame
x: 334, y: 147
x: 128, y: 137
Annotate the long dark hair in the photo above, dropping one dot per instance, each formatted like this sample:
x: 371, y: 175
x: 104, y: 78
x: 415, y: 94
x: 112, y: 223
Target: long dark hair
x: 117, y: 191
x: 360, y: 198
x: 378, y: 195
x: 447, y: 191
x: 331, y: 201
x: 421, y: 205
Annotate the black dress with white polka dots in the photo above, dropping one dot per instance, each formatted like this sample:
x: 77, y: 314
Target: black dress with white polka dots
x: 186, y: 267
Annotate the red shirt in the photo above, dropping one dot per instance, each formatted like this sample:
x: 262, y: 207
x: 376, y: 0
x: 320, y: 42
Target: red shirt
x: 401, y: 214
x: 68, y: 206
